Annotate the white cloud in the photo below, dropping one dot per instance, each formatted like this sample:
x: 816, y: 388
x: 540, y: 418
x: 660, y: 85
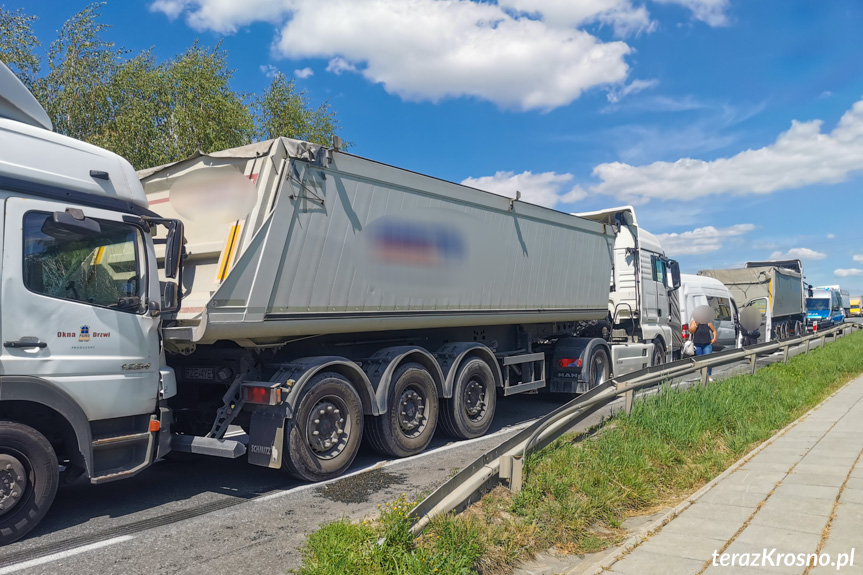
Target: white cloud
x: 831, y: 236
x: 798, y: 254
x: 615, y: 95
x: 625, y: 18
x: 268, y: 70
x: 711, y: 12
x: 847, y: 272
x: 802, y: 156
x: 701, y: 240
x: 304, y: 73
x: 338, y: 65
x: 858, y: 258
x: 546, y: 189
x: 431, y: 49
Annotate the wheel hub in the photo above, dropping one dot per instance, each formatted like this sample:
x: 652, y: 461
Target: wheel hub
x: 13, y: 482
x: 474, y: 398
x: 411, y: 411
x: 326, y: 429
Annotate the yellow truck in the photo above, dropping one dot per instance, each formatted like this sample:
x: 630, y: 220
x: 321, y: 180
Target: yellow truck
x: 855, y: 305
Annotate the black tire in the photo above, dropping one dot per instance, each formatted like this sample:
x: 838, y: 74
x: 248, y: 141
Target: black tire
x: 29, y: 464
x: 598, y: 368
x: 306, y: 455
x: 658, y: 357
x: 470, y: 410
x: 799, y: 329
x: 409, y: 424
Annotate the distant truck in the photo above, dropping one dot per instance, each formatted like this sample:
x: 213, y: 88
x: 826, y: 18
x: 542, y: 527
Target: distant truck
x: 844, y: 295
x: 824, y: 308
x: 856, y: 306
x: 776, y: 289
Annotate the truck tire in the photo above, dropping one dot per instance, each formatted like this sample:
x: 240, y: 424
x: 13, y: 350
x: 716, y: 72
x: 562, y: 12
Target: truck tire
x: 470, y: 410
x: 331, y: 407
x: 598, y: 368
x: 658, y: 357
x: 410, y: 421
x: 29, y: 475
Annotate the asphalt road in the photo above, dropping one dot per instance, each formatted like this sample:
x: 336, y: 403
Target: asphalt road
x: 221, y: 516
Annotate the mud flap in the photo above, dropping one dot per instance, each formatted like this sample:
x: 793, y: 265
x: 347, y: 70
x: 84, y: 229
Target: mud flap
x: 267, y: 437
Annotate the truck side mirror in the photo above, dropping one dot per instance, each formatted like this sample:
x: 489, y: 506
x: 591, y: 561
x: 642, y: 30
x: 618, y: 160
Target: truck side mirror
x: 674, y: 270
x: 170, y: 302
x: 173, y: 249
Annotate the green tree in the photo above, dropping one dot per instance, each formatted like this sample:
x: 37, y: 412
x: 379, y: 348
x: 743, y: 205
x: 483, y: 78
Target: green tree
x: 282, y: 110
x: 147, y: 111
x: 81, y: 66
x: 18, y: 44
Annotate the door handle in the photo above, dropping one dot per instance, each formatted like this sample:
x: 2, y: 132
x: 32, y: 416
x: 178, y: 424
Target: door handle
x: 25, y: 343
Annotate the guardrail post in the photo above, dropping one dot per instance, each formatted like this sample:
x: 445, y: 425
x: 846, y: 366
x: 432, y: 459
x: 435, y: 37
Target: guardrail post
x: 517, y: 470
x: 753, y: 363
x: 807, y: 347
x: 822, y: 340
x: 628, y: 399
x: 785, y: 354
x: 704, y: 375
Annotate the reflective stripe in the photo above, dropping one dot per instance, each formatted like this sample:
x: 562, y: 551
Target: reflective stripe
x: 228, y: 252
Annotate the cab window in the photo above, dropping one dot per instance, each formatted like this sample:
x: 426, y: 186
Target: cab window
x: 658, y: 270
x: 97, y: 268
x: 721, y: 307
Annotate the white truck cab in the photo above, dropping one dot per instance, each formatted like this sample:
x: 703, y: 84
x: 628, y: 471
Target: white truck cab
x: 79, y: 289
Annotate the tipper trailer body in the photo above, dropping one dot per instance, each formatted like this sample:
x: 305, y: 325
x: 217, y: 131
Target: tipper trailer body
x: 320, y: 299
x: 776, y: 291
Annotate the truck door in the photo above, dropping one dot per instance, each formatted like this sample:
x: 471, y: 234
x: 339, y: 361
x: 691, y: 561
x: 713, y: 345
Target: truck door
x: 74, y: 306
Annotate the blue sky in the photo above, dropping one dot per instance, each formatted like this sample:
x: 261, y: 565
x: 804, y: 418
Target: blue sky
x: 735, y: 127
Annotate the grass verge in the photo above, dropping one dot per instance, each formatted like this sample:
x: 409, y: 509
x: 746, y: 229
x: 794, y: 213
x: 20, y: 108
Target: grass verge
x: 580, y: 488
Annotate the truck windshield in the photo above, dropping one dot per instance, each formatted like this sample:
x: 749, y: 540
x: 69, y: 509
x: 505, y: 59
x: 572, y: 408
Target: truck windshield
x: 817, y: 304
x: 101, y: 269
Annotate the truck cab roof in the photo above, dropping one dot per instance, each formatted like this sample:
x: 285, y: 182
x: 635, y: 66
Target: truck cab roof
x: 36, y: 161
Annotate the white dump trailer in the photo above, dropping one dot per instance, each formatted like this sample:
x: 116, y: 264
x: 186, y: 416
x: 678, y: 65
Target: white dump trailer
x: 775, y: 290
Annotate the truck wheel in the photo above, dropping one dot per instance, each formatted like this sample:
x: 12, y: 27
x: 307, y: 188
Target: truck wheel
x: 469, y: 412
x: 599, y: 368
x: 658, y: 357
x: 29, y: 475
x: 324, y: 436
x: 798, y: 328
x: 408, y: 425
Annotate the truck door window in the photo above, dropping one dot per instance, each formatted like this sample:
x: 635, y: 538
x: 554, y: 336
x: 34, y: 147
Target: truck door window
x: 658, y: 270
x: 101, y: 269
x: 721, y: 307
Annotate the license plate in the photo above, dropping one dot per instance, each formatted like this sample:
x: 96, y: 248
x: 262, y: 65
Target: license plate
x: 199, y: 373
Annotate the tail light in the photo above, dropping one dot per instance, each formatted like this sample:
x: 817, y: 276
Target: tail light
x: 685, y: 332
x: 262, y: 393
x: 568, y: 362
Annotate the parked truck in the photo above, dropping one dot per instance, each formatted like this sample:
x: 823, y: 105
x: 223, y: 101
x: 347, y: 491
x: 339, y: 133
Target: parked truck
x: 643, y: 280
x: 823, y: 308
x: 856, y: 306
x: 775, y: 288
x: 844, y: 297
x: 311, y: 297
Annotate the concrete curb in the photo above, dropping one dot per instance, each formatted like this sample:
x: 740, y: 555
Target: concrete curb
x: 644, y: 533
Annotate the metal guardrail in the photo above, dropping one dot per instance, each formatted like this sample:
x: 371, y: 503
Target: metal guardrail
x: 505, y: 462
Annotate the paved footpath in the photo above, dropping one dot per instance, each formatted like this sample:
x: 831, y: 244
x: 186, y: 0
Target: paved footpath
x: 801, y: 493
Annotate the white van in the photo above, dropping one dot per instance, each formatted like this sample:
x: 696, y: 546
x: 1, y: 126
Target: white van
x: 701, y: 290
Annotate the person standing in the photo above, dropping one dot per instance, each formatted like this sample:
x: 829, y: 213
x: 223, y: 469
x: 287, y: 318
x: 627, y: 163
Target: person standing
x: 703, y: 336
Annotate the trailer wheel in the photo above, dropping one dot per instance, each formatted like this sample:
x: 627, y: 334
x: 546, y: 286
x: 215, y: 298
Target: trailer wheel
x: 799, y: 330
x: 324, y: 436
x: 470, y: 410
x: 599, y: 368
x: 408, y: 425
x: 29, y: 475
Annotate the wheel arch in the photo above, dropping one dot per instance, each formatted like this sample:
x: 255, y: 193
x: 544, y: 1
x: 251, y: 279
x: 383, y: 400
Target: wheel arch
x: 42, y: 405
x: 452, y: 355
x: 301, y: 371
x: 384, y: 363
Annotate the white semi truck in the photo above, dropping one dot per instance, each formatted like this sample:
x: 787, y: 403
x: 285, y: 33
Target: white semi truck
x: 312, y: 297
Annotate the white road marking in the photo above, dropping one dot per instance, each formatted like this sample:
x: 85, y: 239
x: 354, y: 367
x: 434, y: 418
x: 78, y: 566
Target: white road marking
x: 63, y: 554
